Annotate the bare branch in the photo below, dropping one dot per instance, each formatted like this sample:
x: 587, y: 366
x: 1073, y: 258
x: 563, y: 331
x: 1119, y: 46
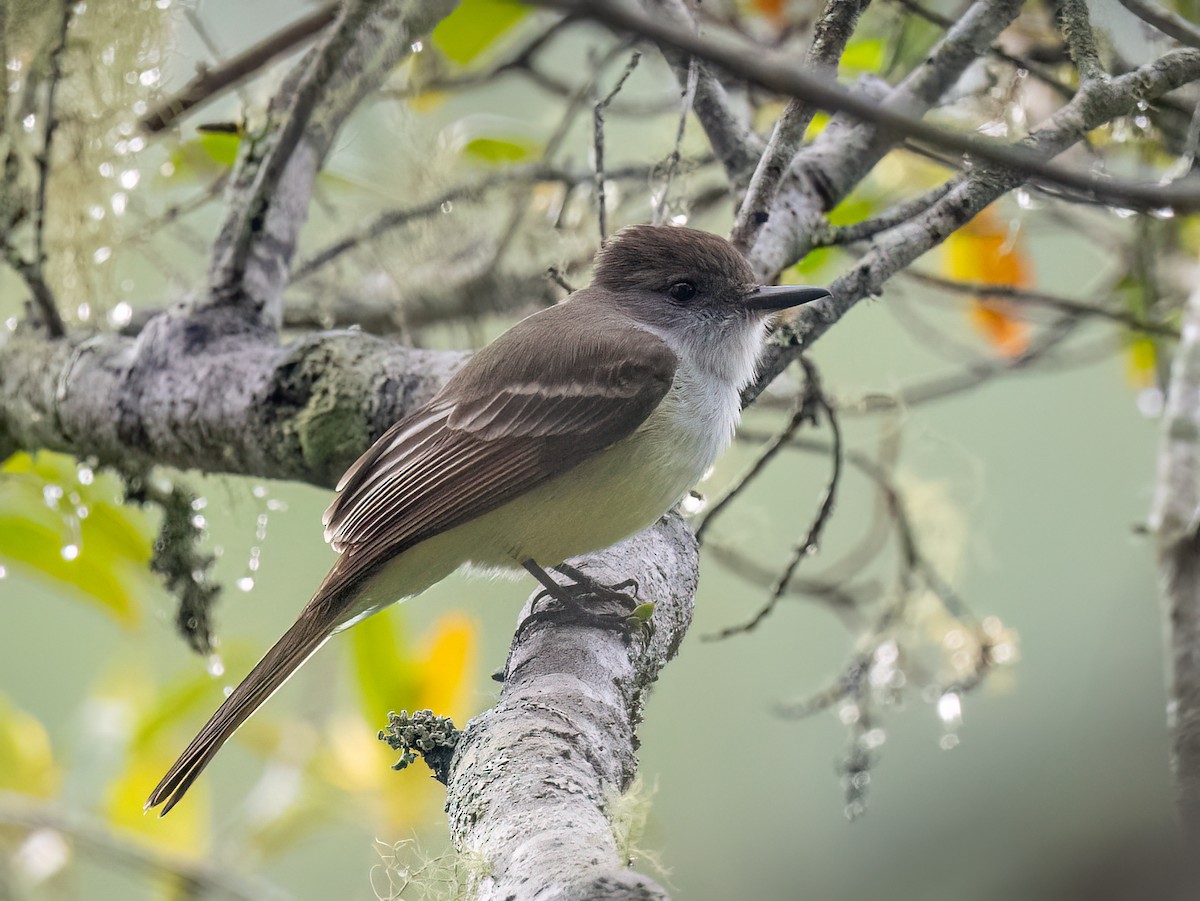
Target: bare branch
x: 302, y: 411
x: 1039, y: 72
x: 1096, y: 102
x: 834, y: 236
x: 196, y: 878
x: 735, y: 143
x: 1050, y: 301
x: 766, y: 69
x: 39, y: 291
x: 271, y: 189
x: 1076, y: 26
x: 1169, y: 23
x: 1174, y: 518
x: 830, y: 35
x: 212, y: 82
x: 598, y: 141
x: 812, y: 539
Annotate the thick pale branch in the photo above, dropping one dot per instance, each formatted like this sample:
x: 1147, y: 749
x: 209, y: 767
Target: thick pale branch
x: 196, y: 392
x: 535, y: 778
x: 1175, y: 518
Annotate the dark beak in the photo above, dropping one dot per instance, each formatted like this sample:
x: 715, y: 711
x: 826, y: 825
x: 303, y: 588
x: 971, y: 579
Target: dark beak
x: 770, y: 298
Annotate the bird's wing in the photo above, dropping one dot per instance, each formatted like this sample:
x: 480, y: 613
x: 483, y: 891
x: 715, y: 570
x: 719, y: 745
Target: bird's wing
x: 512, y: 418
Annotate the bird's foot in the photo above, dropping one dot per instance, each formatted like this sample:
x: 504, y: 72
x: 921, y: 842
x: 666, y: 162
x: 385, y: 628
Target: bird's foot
x: 573, y: 603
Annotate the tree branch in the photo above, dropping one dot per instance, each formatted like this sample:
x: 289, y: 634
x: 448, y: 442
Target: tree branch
x: 1174, y: 518
x: 734, y: 142
x: 1097, y: 102
x: 1169, y: 23
x: 211, y: 82
x: 271, y: 189
x: 196, y: 879
x: 534, y: 779
x: 830, y: 35
x: 191, y: 392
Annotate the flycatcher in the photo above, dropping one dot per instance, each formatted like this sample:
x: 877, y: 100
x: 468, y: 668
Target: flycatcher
x: 577, y: 427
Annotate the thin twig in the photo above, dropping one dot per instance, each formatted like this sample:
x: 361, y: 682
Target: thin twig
x: 812, y: 540
x: 598, y: 141
x: 1169, y: 23
x: 1042, y: 299
x: 42, y: 296
x: 36, y: 279
x: 885, y: 221
x: 804, y: 411
x: 555, y: 275
x: 196, y: 878
x: 658, y: 203
x: 211, y: 82
x: 768, y: 70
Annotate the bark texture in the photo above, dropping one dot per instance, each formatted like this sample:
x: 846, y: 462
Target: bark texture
x: 533, y: 778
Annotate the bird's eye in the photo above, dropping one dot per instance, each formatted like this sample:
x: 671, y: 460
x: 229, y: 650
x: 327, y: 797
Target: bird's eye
x: 682, y: 292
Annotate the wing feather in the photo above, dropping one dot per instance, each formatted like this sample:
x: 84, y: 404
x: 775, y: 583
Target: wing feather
x: 512, y: 418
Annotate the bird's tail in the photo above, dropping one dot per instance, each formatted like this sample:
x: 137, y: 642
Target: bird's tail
x: 298, y: 643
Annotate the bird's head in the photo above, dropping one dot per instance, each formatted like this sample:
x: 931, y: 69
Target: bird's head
x: 665, y: 275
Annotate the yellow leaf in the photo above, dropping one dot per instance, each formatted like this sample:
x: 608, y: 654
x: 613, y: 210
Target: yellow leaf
x: 184, y: 831
x: 474, y: 26
x: 447, y: 667
x: 382, y: 666
x: 1141, y: 363
x: 26, y: 760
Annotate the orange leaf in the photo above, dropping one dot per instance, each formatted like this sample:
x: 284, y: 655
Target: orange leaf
x: 995, y: 321
x: 773, y: 10
x: 985, y: 250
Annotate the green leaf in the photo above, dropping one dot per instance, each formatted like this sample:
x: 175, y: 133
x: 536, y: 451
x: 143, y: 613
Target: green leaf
x: 64, y: 523
x: 383, y: 669
x: 474, y: 26
x: 867, y: 55
x: 206, y: 155
x: 498, y: 151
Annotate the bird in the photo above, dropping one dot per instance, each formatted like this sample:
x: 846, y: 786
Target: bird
x: 579, y: 426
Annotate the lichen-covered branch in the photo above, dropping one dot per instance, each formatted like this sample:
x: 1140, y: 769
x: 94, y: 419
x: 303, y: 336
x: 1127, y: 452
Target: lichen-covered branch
x: 1175, y: 519
x: 191, y: 392
x: 534, y: 779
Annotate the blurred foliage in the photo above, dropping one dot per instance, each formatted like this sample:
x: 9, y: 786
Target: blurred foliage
x: 500, y: 150
x: 989, y: 249
x: 27, y: 763
x: 474, y: 26
x: 62, y: 521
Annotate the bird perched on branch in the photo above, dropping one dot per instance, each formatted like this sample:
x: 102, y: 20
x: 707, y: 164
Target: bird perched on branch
x: 577, y: 427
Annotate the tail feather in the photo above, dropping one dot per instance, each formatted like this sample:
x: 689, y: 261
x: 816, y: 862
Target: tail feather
x: 298, y: 643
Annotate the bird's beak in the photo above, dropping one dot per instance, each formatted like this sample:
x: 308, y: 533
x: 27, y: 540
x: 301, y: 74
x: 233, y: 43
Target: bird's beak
x: 771, y: 298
